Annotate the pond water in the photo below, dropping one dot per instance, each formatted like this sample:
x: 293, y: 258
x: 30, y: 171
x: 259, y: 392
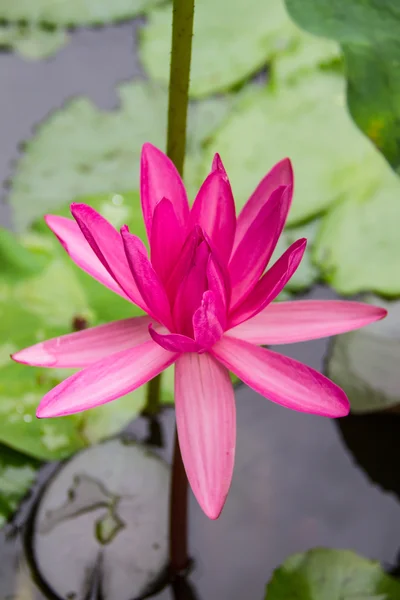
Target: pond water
x: 300, y: 481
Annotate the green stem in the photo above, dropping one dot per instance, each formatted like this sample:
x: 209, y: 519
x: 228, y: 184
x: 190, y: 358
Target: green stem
x: 153, y: 396
x: 181, y: 53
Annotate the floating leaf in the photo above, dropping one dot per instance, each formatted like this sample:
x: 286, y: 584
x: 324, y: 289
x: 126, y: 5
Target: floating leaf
x: 309, y: 123
x: 250, y: 33
x: 365, y: 363
x: 113, y: 500
x: 32, y: 42
x: 323, y: 574
x: 100, y: 150
x: 369, y: 34
x: 358, y: 244
x: 17, y: 474
x: 74, y: 12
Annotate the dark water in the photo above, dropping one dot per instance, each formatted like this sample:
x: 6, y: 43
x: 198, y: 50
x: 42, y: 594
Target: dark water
x: 300, y: 481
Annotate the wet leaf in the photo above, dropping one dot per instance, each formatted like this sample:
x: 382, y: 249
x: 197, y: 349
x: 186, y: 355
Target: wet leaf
x: 17, y: 474
x: 324, y: 574
x: 74, y: 12
x: 309, y: 123
x: 358, y: 244
x: 110, y: 501
x: 250, y: 34
x: 369, y: 34
x: 365, y: 363
x: 100, y: 150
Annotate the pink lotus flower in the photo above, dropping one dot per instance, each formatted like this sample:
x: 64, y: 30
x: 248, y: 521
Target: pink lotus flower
x: 208, y: 298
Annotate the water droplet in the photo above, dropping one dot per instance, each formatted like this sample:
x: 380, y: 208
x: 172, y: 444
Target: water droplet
x: 27, y: 418
x: 117, y: 199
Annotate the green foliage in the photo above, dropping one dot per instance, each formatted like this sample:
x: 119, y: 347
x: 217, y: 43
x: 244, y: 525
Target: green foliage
x: 323, y: 574
x: 368, y: 31
x: 30, y: 41
x: 17, y: 473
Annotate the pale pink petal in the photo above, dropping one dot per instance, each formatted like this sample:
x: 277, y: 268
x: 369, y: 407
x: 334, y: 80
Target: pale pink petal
x: 146, y: 279
x: 206, y: 422
x: 106, y: 380
x: 257, y: 245
x: 301, y: 320
x: 174, y: 342
x: 160, y: 179
x: 107, y: 244
x: 206, y: 326
x: 75, y: 244
x: 282, y: 379
x: 167, y: 238
x: 271, y: 283
x: 214, y: 211
x: 83, y: 348
x: 280, y: 174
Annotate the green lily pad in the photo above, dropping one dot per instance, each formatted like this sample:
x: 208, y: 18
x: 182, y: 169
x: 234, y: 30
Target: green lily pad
x: 365, y: 363
x: 358, y: 244
x: 369, y: 34
x: 17, y: 474
x: 75, y: 12
x: 324, y: 574
x: 250, y: 34
x: 99, y: 152
x: 309, y: 123
x: 32, y: 42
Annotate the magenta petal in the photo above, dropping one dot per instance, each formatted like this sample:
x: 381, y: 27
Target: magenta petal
x: 301, y: 320
x: 271, y: 283
x: 217, y: 286
x: 254, y: 251
x: 282, y: 379
x: 106, y: 380
x: 107, y: 244
x: 146, y: 279
x: 206, y: 422
x: 206, y: 325
x: 83, y: 348
x: 214, y: 211
x: 280, y: 174
x: 186, y: 257
x: 174, y: 342
x: 159, y: 179
x: 75, y: 244
x: 167, y: 237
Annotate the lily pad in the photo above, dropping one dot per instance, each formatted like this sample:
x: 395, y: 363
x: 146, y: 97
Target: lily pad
x: 309, y: 123
x: 369, y: 34
x: 17, y: 474
x: 324, y: 574
x: 250, y: 33
x: 75, y: 12
x: 365, y: 363
x: 99, y: 151
x: 358, y: 244
x: 110, y: 504
x: 30, y: 41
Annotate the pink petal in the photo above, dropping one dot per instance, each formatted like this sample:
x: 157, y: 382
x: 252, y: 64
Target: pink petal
x: 301, y: 320
x: 257, y: 245
x: 83, y: 348
x: 167, y: 238
x: 282, y: 379
x: 214, y: 211
x: 206, y: 422
x: 159, y: 179
x: 206, y: 325
x: 271, y: 283
x: 217, y: 286
x: 74, y: 242
x: 193, y: 240
x: 146, y: 279
x: 108, y: 379
x: 174, y: 342
x: 191, y: 290
x: 107, y: 244
x: 280, y: 174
